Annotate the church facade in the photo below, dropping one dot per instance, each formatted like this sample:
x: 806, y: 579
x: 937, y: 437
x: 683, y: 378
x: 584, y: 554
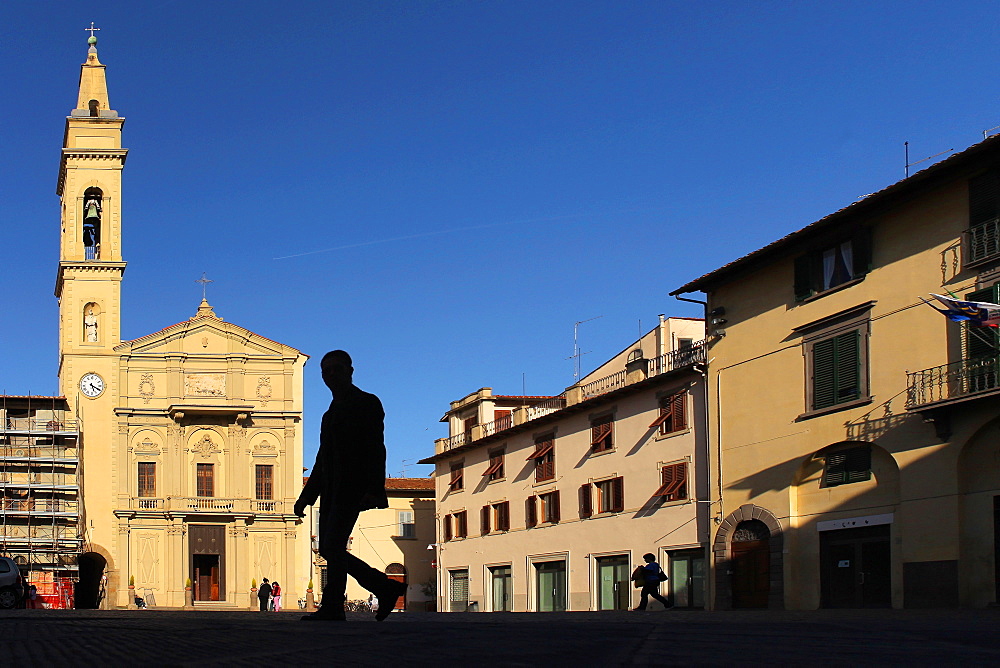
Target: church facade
x: 190, y: 439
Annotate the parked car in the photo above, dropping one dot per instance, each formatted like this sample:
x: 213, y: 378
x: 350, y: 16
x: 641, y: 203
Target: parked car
x: 11, y: 583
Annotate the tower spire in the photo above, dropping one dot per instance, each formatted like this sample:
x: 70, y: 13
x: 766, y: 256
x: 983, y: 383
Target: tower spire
x: 93, y: 97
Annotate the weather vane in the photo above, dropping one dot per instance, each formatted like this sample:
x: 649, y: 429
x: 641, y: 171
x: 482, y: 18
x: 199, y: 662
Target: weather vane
x: 204, y: 284
x: 92, y: 29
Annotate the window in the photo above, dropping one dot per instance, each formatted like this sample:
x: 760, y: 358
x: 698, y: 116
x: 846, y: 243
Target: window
x: 206, y: 479
x: 610, y: 495
x: 545, y: 458
x: 836, y: 366
x: 831, y: 266
x: 981, y: 346
x: 673, y: 413
x: 147, y: 479
x: 407, y: 529
x: 673, y: 482
x: 457, y: 472
x: 542, y: 508
x: 548, y: 510
x: 264, y: 481
x: 461, y: 524
x: 502, y: 419
x: 495, y: 516
x: 846, y: 466
x: 446, y: 526
x: 983, y: 240
x: 601, y: 437
x: 467, y: 425
x: 495, y: 470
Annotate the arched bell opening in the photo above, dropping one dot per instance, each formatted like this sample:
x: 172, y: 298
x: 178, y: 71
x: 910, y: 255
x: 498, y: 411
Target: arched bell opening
x: 93, y: 207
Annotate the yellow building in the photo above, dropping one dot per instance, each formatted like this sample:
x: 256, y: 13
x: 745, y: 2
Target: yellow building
x: 396, y: 540
x: 191, y: 452
x: 854, y: 428
x: 548, y: 503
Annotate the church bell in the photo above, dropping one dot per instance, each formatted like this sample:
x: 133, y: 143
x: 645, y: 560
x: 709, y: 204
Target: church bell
x: 93, y: 214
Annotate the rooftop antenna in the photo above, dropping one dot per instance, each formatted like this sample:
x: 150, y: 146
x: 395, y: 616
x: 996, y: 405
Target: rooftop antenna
x: 908, y: 164
x: 986, y: 133
x: 576, y: 347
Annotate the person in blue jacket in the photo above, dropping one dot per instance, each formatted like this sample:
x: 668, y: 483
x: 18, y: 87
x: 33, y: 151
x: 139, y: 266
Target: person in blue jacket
x: 652, y: 577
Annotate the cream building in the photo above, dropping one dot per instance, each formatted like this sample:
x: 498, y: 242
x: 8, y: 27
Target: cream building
x: 191, y: 452
x: 854, y: 428
x: 548, y: 503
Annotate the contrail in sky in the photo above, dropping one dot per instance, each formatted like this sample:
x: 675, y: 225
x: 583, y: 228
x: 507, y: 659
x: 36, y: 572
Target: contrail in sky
x: 430, y: 234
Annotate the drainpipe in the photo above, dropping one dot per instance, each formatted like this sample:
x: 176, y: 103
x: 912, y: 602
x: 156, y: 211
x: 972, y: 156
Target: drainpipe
x: 710, y: 592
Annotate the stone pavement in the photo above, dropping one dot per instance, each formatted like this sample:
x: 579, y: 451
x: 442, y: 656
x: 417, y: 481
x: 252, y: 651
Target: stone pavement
x: 178, y: 638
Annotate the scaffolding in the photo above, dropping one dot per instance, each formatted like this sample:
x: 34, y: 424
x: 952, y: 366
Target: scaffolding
x: 40, y: 492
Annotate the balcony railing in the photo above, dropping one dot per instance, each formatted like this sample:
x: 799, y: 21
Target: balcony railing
x: 984, y: 240
x: 952, y: 381
x: 677, y: 359
x: 207, y: 504
x: 456, y: 441
x: 545, y: 407
x: 604, y: 385
x: 498, y: 425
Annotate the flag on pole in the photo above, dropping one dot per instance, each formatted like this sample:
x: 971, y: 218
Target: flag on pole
x: 980, y: 314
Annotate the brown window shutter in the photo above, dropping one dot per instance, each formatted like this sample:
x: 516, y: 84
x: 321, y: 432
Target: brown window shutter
x: 530, y: 512
x: 554, y: 500
x: 484, y: 524
x: 678, y: 414
x: 447, y: 527
x: 586, y: 500
x: 503, y: 516
x: 600, y: 436
x: 462, y: 530
x: 618, y: 495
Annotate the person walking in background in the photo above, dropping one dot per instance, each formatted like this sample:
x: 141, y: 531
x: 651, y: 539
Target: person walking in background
x: 264, y: 594
x: 276, y: 596
x: 349, y: 475
x: 652, y: 575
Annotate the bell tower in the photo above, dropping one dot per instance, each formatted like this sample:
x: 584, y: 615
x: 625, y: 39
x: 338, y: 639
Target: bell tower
x: 88, y: 284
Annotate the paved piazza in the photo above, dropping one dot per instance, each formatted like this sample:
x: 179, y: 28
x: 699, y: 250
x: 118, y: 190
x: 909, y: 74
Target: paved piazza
x: 178, y: 638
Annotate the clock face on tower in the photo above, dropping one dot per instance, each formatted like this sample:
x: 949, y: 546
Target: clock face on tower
x: 91, y: 385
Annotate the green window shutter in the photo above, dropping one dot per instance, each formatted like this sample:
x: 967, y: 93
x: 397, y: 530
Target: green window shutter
x: 858, y: 464
x: 982, y: 341
x: 847, y: 348
x: 805, y: 277
x: 837, y: 370
x: 847, y: 466
x: 984, y: 198
x: 861, y: 249
x: 824, y: 378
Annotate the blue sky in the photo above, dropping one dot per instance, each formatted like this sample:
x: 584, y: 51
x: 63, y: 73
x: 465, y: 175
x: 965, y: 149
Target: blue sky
x: 477, y: 175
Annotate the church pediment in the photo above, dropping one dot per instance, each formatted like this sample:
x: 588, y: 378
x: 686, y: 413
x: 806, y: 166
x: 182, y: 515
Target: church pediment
x: 205, y: 336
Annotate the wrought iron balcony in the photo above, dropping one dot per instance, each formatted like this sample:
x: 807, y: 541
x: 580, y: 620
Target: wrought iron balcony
x: 950, y: 382
x: 983, y: 241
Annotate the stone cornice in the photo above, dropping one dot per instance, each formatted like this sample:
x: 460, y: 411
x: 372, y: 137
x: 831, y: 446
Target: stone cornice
x: 94, y: 265
x: 84, y: 154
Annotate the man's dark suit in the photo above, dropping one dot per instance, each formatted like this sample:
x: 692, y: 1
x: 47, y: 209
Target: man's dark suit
x: 349, y: 476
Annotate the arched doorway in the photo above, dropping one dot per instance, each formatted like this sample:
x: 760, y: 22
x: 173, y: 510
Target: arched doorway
x: 397, y: 572
x: 751, y: 564
x: 89, y: 592
x: 748, y: 556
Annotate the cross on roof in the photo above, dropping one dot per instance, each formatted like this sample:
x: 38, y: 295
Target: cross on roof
x: 92, y: 29
x: 204, y: 284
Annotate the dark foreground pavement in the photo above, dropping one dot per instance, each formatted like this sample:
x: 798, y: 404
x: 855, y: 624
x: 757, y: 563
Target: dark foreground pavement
x: 177, y: 638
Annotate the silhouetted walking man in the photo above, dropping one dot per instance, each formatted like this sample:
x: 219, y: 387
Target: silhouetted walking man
x: 349, y: 475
